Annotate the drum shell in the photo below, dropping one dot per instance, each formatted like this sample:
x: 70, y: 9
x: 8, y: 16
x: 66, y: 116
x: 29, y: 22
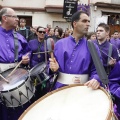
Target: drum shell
x: 21, y: 93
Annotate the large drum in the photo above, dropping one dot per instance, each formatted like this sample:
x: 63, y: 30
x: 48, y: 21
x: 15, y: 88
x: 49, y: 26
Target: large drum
x: 74, y: 102
x: 19, y: 90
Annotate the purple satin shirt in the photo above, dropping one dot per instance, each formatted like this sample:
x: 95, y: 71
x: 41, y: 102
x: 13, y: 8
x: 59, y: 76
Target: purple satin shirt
x: 7, y: 47
x: 114, y: 86
x: 104, y: 47
x: 115, y: 42
x: 35, y: 47
x: 74, y: 58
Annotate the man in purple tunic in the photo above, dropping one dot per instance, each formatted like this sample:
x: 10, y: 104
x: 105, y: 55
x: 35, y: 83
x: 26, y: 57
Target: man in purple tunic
x: 116, y: 41
x: 108, y: 51
x: 9, y: 22
x: 37, y: 46
x: 72, y: 56
x: 38, y: 60
x: 114, y: 86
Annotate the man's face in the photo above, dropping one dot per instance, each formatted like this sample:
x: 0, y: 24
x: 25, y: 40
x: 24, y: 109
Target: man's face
x: 41, y: 33
x: 101, y: 34
x: 82, y: 25
x: 11, y: 19
x: 116, y: 35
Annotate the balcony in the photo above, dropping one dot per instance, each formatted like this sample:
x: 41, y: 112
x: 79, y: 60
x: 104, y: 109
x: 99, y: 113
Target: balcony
x: 54, y: 6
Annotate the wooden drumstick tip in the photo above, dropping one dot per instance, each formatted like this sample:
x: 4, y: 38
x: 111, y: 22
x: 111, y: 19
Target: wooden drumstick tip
x: 4, y: 79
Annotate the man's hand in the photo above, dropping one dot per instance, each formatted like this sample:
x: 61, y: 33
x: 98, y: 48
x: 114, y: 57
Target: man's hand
x: 25, y: 59
x: 112, y: 62
x: 53, y: 64
x: 94, y: 84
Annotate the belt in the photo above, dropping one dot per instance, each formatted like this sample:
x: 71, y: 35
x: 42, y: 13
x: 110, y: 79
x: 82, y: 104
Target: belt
x: 72, y: 78
x: 4, y: 67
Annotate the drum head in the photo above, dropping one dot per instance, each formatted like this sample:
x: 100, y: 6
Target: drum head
x: 38, y: 69
x: 73, y: 102
x: 16, y: 79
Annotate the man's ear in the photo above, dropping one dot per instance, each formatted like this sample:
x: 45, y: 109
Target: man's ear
x: 74, y: 24
x: 4, y: 18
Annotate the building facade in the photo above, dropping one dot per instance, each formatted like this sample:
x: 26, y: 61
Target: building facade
x: 43, y: 12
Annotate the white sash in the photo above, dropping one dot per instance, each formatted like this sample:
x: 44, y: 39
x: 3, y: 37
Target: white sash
x: 6, y: 66
x: 71, y: 78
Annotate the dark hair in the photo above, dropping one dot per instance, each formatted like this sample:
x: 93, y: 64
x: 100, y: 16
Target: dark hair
x: 22, y: 19
x: 116, y: 31
x: 2, y: 12
x: 39, y: 28
x: 89, y: 34
x: 60, y: 31
x: 76, y: 16
x: 105, y: 26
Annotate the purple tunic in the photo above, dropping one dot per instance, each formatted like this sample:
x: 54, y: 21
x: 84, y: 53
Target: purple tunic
x: 35, y: 47
x: 74, y: 58
x: 104, y: 50
x: 7, y: 50
x: 115, y: 42
x: 114, y: 86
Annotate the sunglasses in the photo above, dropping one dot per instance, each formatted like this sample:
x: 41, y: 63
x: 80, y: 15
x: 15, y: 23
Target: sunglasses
x: 42, y: 32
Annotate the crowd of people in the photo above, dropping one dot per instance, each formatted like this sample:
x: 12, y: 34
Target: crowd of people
x: 71, y: 55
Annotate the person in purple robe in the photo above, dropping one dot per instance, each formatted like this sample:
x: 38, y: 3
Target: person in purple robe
x: 114, y: 86
x: 108, y: 51
x: 72, y: 56
x: 9, y: 22
x: 39, y: 57
x: 116, y: 42
x: 37, y: 46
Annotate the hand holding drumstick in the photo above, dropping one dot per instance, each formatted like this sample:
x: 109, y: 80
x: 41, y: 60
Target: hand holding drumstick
x: 53, y: 63
x: 25, y: 60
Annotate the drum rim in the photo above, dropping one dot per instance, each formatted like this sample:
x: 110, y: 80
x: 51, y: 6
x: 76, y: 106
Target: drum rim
x: 62, y: 88
x: 30, y: 71
x: 15, y: 87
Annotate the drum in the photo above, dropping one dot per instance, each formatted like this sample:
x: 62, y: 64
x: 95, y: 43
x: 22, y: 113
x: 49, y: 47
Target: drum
x: 38, y: 74
x: 19, y: 90
x: 74, y: 102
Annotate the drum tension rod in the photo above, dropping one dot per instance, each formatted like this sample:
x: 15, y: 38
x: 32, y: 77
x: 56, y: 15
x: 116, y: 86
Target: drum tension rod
x: 12, y: 97
x: 20, y: 93
x: 5, y: 101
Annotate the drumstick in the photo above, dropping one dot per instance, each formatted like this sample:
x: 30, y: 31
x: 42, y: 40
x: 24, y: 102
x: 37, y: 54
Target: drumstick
x: 41, y: 52
x: 106, y: 54
x: 15, y: 68
x: 50, y: 46
x: 4, y: 78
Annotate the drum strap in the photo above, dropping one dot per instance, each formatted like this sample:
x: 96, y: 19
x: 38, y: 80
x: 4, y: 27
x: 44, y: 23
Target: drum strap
x: 16, y: 46
x: 98, y: 64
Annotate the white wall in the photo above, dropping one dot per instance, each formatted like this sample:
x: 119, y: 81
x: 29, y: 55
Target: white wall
x: 98, y: 13
x: 105, y: 1
x: 42, y: 18
x: 55, y: 2
x: 24, y: 3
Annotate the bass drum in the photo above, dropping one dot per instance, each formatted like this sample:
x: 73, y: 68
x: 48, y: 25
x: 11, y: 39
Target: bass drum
x: 74, y: 102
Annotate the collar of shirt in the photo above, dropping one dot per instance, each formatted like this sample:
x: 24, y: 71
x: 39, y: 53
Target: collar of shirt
x: 6, y: 31
x: 24, y: 28
x: 73, y: 39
